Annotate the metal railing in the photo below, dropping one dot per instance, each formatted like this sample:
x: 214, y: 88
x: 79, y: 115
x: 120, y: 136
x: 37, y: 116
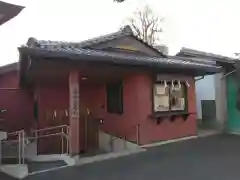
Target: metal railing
x: 14, y: 145
x: 46, y: 133
x: 15, y: 141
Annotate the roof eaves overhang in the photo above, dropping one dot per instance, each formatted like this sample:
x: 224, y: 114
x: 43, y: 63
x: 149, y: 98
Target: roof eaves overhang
x: 8, y: 68
x: 204, y: 55
x: 8, y: 11
x: 104, y: 57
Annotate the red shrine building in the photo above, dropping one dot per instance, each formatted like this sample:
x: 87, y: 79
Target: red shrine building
x: 114, y: 83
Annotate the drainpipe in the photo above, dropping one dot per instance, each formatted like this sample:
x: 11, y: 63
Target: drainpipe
x: 197, y: 79
x: 225, y: 75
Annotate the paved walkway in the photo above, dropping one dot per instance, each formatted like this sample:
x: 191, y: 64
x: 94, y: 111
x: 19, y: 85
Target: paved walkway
x: 5, y: 177
x: 209, y: 158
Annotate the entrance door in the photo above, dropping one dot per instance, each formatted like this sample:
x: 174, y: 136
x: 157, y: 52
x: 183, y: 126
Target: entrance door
x: 91, y: 133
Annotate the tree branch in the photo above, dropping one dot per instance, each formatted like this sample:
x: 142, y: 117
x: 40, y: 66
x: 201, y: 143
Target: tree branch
x: 147, y: 25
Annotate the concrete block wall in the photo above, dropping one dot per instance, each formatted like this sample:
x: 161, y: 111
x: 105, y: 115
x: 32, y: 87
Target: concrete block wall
x: 111, y: 143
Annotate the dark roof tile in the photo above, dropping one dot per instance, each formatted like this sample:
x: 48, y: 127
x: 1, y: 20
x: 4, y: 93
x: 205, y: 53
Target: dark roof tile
x: 8, y: 68
x: 124, y: 57
x: 125, y: 31
x: 207, y: 55
x: 70, y: 49
x: 8, y: 11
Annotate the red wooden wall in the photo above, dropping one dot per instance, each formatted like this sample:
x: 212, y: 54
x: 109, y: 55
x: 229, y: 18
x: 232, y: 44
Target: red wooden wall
x: 137, y: 108
x: 17, y: 102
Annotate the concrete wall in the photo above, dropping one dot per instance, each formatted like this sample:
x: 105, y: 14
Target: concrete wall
x: 213, y: 87
x: 205, y: 90
x: 111, y: 143
x: 221, y: 100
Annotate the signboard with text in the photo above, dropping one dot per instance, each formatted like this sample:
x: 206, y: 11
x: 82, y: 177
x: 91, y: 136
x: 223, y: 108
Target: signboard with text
x: 74, y: 96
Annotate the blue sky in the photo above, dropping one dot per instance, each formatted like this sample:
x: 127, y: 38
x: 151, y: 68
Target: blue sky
x: 209, y: 25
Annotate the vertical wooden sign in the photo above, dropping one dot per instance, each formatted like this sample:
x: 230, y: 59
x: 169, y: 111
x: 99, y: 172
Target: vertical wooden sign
x: 74, y: 95
x: 74, y: 112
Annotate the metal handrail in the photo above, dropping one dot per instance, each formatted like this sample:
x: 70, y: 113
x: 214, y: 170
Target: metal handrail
x: 20, y: 139
x: 44, y: 136
x: 21, y: 144
x: 50, y: 128
x: 9, y: 141
x: 62, y: 134
x: 15, y: 132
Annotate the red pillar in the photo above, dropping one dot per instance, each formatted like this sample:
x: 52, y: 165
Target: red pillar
x: 74, y: 112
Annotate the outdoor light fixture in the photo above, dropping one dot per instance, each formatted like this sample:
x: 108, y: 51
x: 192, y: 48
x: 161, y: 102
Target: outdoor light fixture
x: 3, y: 110
x: 84, y: 78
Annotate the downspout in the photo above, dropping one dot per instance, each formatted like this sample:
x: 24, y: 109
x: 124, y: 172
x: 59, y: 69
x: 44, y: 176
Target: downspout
x: 225, y: 75
x: 197, y: 79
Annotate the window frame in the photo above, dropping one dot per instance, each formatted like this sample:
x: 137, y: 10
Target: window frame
x: 115, y: 109
x: 185, y: 96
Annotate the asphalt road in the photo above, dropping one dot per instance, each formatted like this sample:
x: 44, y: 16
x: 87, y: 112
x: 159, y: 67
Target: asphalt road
x: 210, y: 158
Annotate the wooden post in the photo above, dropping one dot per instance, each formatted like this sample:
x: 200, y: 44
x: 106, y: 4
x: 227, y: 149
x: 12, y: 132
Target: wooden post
x: 74, y: 112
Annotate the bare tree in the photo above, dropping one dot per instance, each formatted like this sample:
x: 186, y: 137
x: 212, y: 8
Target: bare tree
x: 237, y: 55
x: 119, y: 1
x: 146, y: 24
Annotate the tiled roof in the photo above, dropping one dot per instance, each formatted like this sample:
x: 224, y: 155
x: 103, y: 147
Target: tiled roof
x: 217, y: 57
x: 8, y: 68
x: 195, y: 59
x: 8, y: 11
x: 70, y: 50
x: 73, y: 52
x: 125, y: 31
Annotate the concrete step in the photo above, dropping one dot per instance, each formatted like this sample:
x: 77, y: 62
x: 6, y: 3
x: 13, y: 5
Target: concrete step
x: 35, y: 165
x: 93, y: 153
x: 4, y: 176
x: 43, y: 166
